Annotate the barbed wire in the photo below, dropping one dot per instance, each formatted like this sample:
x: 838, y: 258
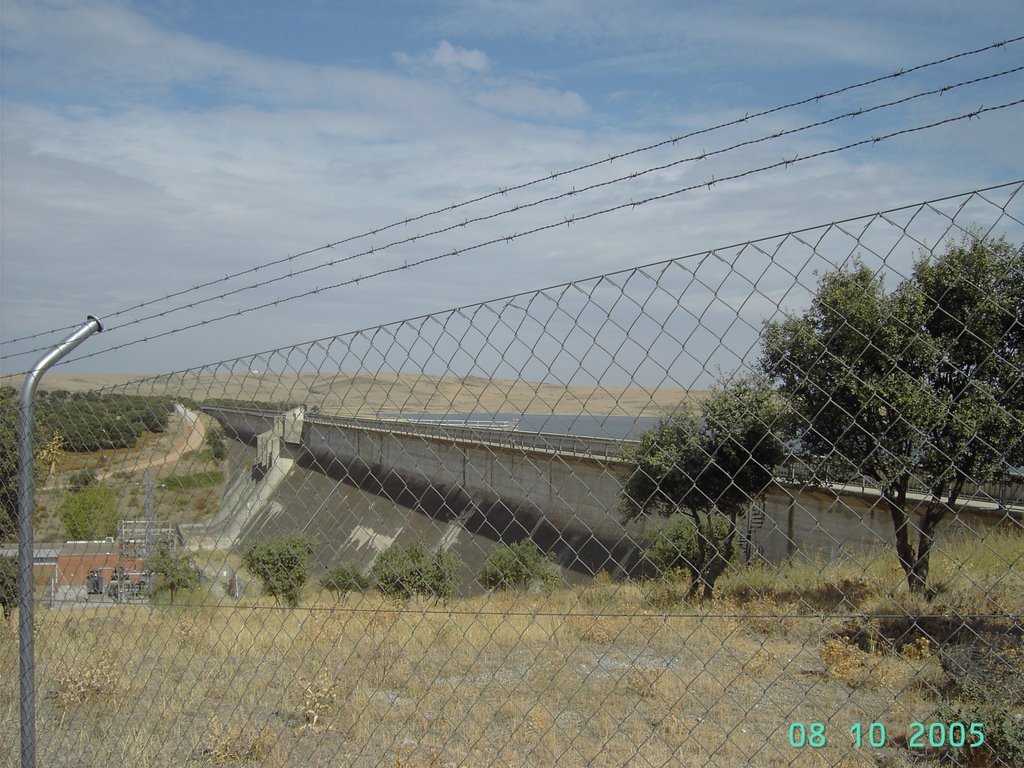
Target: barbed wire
x: 508, y: 238
x: 501, y: 191
x: 508, y: 298
x: 817, y: 621
x: 292, y: 274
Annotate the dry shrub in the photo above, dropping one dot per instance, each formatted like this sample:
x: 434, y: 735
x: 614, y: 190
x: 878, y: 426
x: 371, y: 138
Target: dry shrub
x: 188, y: 634
x: 592, y: 629
x: 319, y: 700
x: 383, y: 620
x: 201, y: 499
x: 761, y: 661
x: 238, y: 743
x: 844, y: 661
x: 600, y: 594
x: 642, y: 681
x: 379, y: 663
x: 322, y: 630
x: 80, y: 684
x: 918, y: 651
x: 539, y: 722
x: 671, y: 725
x: 763, y: 617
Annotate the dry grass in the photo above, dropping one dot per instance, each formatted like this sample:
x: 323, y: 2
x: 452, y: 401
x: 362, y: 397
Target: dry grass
x: 583, y: 677
x: 608, y: 674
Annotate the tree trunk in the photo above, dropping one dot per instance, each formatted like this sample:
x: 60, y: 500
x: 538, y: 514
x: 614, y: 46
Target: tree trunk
x: 917, y: 577
x: 697, y: 569
x: 896, y: 499
x: 720, y: 558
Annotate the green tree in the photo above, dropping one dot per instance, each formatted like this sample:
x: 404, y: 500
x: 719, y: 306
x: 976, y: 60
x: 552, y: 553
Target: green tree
x: 215, y: 441
x: 344, y: 577
x: 8, y: 463
x: 403, y: 572
x: 282, y: 564
x: 519, y: 566
x: 90, y: 513
x: 8, y: 586
x: 708, y: 465
x: 9, y: 459
x: 171, y: 571
x: 924, y: 382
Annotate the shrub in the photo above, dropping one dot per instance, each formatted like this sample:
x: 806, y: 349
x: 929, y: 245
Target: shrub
x: 216, y: 443
x: 343, y: 578
x: 1004, y: 731
x: 91, y: 422
x: 674, y: 546
x: 678, y: 547
x: 282, y: 565
x: 94, y: 431
x: 519, y: 566
x: 402, y: 572
x: 90, y: 513
x: 81, y: 480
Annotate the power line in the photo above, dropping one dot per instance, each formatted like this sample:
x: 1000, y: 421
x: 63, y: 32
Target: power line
x: 524, y: 185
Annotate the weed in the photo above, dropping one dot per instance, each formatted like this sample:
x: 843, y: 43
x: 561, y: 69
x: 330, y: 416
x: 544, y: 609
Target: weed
x: 592, y: 629
x: 238, y: 743
x: 319, y: 699
x: 844, y: 661
x: 91, y: 680
x: 642, y: 681
x: 665, y: 593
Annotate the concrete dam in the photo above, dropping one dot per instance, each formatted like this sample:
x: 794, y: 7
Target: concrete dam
x: 360, y: 484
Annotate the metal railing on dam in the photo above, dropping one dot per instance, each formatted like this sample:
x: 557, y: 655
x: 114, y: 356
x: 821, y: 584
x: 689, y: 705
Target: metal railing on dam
x: 606, y: 448
x: 1005, y: 493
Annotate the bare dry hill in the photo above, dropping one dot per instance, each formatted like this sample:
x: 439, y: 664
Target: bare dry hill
x: 371, y: 393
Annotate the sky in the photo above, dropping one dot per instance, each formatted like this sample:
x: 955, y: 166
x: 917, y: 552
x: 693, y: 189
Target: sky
x: 151, y: 147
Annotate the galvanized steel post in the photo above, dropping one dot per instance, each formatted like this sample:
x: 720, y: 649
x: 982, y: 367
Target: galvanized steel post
x: 26, y: 508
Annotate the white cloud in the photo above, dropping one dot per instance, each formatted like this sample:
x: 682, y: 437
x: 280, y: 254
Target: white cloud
x: 447, y: 58
x: 452, y: 58
x: 120, y: 191
x: 527, y: 101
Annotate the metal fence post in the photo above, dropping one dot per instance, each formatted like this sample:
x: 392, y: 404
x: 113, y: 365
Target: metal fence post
x: 26, y: 508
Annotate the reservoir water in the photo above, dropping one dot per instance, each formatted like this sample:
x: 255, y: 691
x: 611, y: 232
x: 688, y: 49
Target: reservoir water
x: 580, y: 424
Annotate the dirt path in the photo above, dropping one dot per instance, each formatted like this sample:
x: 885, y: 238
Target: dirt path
x: 192, y: 435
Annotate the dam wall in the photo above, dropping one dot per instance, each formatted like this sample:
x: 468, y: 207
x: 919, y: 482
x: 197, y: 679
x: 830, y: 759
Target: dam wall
x: 564, y: 501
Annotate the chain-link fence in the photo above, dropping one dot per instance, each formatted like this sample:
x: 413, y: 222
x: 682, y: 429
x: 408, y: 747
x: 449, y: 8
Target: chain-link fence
x: 755, y: 506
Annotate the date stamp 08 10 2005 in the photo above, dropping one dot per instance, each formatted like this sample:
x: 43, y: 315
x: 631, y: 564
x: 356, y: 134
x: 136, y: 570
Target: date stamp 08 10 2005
x: 920, y: 735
